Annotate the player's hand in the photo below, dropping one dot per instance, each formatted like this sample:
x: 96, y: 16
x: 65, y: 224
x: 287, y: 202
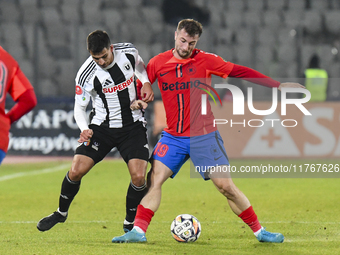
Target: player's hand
x: 291, y: 85
x: 85, y: 135
x: 147, y: 92
x: 138, y: 104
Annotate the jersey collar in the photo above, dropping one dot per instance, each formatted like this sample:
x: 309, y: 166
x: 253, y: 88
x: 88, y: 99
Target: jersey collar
x: 183, y: 61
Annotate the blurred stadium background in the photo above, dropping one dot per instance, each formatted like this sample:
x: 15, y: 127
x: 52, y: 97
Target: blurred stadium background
x: 48, y: 39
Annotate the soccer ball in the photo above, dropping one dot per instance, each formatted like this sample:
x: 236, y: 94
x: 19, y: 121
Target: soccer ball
x: 185, y: 228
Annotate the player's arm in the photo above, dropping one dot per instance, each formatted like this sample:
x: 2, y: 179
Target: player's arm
x: 82, y: 99
x: 23, y: 94
x: 254, y: 76
x: 81, y: 120
x: 25, y: 103
x: 146, y: 90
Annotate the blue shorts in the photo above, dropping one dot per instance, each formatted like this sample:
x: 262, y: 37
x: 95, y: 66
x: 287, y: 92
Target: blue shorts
x: 205, y: 151
x: 2, y: 156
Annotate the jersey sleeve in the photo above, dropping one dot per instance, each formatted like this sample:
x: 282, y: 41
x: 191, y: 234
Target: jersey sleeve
x: 83, y: 96
x: 80, y: 116
x: 217, y: 65
x: 140, y: 70
x: 151, y: 70
x: 19, y: 85
x: 83, y: 90
x: 254, y: 76
x: 25, y: 103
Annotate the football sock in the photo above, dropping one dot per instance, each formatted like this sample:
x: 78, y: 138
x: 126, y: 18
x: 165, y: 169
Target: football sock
x: 143, y: 218
x: 139, y: 230
x: 69, y: 190
x: 250, y: 218
x: 62, y: 213
x: 258, y: 232
x: 133, y: 197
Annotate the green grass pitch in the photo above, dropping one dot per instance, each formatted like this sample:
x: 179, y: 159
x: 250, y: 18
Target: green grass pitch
x: 305, y: 210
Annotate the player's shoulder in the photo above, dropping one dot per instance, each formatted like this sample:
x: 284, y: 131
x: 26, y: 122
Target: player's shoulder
x: 125, y: 47
x: 86, y: 71
x: 8, y: 59
x: 205, y: 54
x: 209, y: 56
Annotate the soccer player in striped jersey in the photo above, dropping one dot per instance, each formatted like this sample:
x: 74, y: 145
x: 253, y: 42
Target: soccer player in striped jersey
x: 189, y: 134
x: 13, y: 82
x: 107, y: 78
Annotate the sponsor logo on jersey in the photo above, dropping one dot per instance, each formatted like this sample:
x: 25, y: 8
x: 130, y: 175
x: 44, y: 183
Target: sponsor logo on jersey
x: 187, y: 85
x: 79, y: 91
x: 119, y: 87
x: 175, y: 86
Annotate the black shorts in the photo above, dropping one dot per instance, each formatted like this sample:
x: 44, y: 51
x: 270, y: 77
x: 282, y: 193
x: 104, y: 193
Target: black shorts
x: 130, y: 141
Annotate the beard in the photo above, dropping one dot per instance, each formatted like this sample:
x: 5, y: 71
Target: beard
x: 183, y: 54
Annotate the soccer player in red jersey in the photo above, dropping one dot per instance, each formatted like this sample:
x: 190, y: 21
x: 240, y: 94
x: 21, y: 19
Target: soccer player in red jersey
x: 15, y: 83
x: 180, y: 72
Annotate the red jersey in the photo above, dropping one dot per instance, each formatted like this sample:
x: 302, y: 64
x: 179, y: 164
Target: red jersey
x: 13, y: 82
x: 183, y: 81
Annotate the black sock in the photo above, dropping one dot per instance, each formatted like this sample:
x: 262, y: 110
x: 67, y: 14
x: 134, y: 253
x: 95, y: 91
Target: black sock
x: 69, y: 190
x: 133, y: 198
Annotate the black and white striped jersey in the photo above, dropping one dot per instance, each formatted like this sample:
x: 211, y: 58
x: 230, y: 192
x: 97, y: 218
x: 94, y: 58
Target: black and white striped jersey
x: 113, y: 89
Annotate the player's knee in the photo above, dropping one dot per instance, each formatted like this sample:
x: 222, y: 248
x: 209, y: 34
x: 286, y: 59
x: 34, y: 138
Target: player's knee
x: 138, y: 179
x: 75, y: 175
x: 229, y: 190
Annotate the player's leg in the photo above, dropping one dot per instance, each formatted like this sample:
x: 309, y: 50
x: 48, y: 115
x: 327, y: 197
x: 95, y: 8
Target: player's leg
x: 81, y: 165
x: 86, y: 156
x: 149, y: 204
x: 136, y: 191
x: 133, y: 147
x: 238, y: 202
x: 167, y: 158
x: 159, y: 173
x: 208, y: 152
x: 241, y: 206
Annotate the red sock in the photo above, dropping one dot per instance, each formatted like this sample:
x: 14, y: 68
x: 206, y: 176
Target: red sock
x: 249, y: 217
x: 143, y: 217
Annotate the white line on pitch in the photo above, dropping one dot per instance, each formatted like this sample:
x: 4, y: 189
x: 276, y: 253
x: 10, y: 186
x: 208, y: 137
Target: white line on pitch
x: 162, y: 222
x: 37, y: 172
x: 33, y: 222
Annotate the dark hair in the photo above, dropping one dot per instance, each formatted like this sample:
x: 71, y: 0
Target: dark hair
x: 97, y: 41
x: 192, y: 27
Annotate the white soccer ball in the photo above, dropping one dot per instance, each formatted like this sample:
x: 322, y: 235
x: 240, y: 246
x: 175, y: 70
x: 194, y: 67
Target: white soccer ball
x: 185, y: 228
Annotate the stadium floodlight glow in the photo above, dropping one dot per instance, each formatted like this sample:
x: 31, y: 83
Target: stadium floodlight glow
x: 238, y: 100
